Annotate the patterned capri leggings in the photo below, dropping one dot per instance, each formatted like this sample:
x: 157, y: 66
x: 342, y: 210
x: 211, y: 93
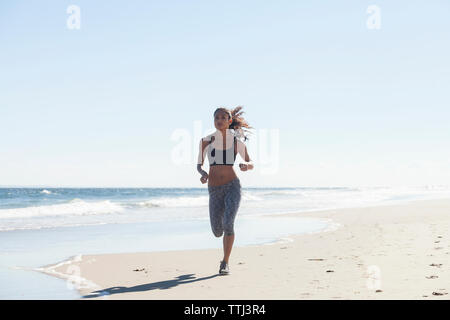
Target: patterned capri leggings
x: 224, y: 203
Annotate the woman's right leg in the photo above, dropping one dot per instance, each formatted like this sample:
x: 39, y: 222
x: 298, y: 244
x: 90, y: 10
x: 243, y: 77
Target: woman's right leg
x: 216, y: 209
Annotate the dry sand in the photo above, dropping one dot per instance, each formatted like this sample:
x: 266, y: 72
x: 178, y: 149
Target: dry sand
x: 398, y: 251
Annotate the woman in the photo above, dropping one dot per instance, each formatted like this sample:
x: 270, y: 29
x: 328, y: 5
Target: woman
x: 223, y: 185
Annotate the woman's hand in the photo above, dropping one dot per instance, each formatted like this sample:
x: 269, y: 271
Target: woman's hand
x: 204, y: 178
x: 243, y: 166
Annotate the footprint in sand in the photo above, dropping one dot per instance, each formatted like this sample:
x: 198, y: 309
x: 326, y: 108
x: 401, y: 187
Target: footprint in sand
x: 432, y: 277
x: 438, y: 248
x: 439, y: 293
x: 316, y: 259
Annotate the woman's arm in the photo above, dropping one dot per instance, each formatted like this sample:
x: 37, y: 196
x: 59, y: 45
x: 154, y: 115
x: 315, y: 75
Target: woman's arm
x: 201, y: 158
x: 242, y: 149
x: 200, y: 170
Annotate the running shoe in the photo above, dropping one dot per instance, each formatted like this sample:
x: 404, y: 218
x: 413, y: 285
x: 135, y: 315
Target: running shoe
x: 224, y: 268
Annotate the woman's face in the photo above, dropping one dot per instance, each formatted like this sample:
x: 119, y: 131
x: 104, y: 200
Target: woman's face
x: 221, y: 120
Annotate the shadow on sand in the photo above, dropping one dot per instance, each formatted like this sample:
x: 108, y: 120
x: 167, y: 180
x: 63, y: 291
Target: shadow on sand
x: 185, y: 278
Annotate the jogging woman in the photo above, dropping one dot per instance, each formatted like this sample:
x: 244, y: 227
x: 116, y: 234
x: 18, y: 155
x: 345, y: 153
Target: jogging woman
x: 224, y: 186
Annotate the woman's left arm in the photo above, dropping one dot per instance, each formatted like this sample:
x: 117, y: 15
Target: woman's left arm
x: 242, y: 148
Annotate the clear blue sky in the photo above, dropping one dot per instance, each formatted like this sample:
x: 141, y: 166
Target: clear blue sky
x: 98, y: 106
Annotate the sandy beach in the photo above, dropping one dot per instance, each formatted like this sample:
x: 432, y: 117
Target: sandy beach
x: 398, y: 251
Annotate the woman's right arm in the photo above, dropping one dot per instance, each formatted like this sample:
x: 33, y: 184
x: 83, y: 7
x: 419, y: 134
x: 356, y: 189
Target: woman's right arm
x: 201, y: 157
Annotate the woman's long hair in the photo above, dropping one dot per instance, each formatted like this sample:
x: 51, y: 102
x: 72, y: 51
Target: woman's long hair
x: 239, y: 123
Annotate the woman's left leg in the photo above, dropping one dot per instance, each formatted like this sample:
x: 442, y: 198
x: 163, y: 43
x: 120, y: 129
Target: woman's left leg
x: 227, y: 246
x: 232, y: 201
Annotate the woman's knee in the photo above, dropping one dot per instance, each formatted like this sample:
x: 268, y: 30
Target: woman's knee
x: 218, y: 232
x: 229, y: 233
x: 216, y: 217
x: 229, y: 228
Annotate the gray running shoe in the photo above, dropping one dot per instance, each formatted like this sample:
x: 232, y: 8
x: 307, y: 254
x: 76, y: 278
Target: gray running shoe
x: 224, y: 268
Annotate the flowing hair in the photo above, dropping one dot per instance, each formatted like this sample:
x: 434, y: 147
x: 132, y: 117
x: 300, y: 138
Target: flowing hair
x: 239, y: 123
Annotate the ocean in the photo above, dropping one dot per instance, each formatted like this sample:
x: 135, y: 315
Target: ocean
x: 43, y: 226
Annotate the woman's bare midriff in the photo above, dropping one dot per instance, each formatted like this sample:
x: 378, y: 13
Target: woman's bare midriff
x: 220, y: 174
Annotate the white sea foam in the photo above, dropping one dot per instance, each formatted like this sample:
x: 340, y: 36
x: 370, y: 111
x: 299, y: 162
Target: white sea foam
x: 283, y: 240
x: 76, y: 207
x: 47, y: 225
x: 72, y: 274
x: 249, y: 196
x: 285, y: 192
x: 198, y: 201
x: 175, y: 202
x: 46, y: 191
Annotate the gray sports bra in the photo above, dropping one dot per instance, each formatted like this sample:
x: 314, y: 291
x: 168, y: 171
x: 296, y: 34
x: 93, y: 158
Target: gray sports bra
x: 225, y: 158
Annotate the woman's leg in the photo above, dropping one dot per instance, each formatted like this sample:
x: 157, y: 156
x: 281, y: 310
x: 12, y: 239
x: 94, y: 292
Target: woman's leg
x: 216, y: 209
x: 232, y: 201
x: 227, y: 246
